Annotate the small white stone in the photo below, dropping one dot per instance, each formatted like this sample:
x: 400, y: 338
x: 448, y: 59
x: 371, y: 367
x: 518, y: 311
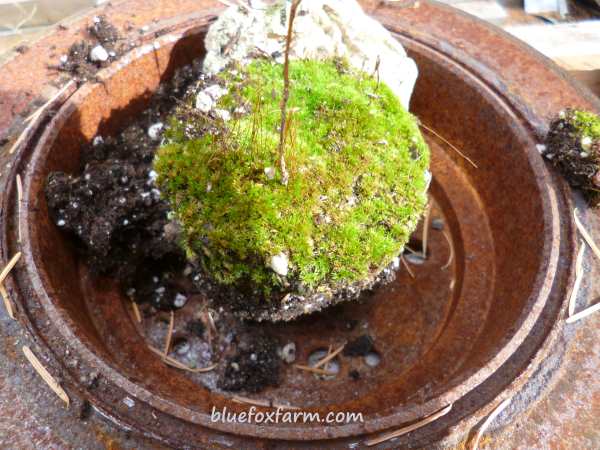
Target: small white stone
x: 61, y: 223
x: 208, y: 186
x: 396, y: 263
x: 586, y: 142
x: 288, y: 352
x: 99, y: 54
x: 126, y: 222
x: 204, y: 102
x: 129, y: 402
x: 223, y: 115
x: 562, y: 115
x: 97, y: 19
x: 98, y: 140
x: 145, y: 28
x: 584, y: 154
x: 155, y: 130
x: 180, y: 301
x: 279, y: 263
x: 215, y: 91
x: 541, y: 148
x: 270, y: 173
x: 64, y: 59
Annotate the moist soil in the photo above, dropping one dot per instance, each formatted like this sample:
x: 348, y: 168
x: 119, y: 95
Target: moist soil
x: 579, y: 166
x: 121, y: 227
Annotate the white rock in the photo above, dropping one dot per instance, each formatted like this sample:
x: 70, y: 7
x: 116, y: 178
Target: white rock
x: 215, y: 91
x: 270, y: 172
x: 288, y: 352
x: 154, y: 131
x: 98, y: 140
x: 322, y: 29
x: 279, y: 264
x: 223, y: 114
x: 586, y: 142
x: 99, y: 54
x: 204, y: 102
x: 180, y: 301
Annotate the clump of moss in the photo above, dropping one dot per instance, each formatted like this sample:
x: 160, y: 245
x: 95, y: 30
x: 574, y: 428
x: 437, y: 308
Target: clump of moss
x: 573, y: 146
x: 357, y: 184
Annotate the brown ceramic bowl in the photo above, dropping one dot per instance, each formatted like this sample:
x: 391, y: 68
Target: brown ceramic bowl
x: 460, y: 334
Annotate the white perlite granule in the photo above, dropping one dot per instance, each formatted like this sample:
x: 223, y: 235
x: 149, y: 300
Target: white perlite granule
x: 322, y: 29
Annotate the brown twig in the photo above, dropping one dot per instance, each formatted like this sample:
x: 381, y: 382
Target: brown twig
x: 495, y: 413
x: 7, y: 302
x: 408, y: 269
x: 286, y: 93
x: 19, y: 199
x: 169, y: 334
x: 264, y: 403
x: 445, y: 141
x: 179, y: 365
x: 13, y: 261
x: 314, y: 370
x: 329, y: 357
x: 43, y: 372
x: 426, y: 231
x: 586, y: 235
x: 408, y: 429
x: 136, y: 312
x: 451, y: 246
x: 578, y: 278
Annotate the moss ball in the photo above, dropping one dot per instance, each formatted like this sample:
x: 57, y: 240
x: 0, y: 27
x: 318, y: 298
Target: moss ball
x: 357, y: 184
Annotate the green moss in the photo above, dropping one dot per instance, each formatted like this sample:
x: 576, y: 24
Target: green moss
x: 587, y: 123
x: 356, y: 191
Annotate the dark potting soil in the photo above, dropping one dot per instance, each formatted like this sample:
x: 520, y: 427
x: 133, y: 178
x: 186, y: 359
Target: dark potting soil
x: 254, y: 364
x: 361, y: 346
x: 564, y: 150
x: 78, y: 61
x: 112, y: 209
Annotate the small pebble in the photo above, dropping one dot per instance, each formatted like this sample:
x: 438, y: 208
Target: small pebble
x: 586, y: 142
x: 270, y: 173
x: 155, y: 130
x: 288, y: 352
x: 99, y: 54
x: 415, y: 259
x: 437, y: 224
x: 279, y: 263
x: 64, y: 59
x: 98, y: 140
x: 223, y: 115
x: 180, y: 300
x: 61, y: 223
x: 129, y: 402
x: 372, y: 359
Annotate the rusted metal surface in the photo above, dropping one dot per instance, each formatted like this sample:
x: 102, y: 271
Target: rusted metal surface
x: 509, y: 221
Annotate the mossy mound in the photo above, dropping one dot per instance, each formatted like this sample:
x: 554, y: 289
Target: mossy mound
x: 357, y: 185
x: 573, y: 146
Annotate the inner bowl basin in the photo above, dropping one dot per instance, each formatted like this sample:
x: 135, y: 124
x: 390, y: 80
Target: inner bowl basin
x: 440, y: 331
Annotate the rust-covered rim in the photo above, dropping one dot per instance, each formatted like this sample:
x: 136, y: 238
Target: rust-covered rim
x: 513, y: 80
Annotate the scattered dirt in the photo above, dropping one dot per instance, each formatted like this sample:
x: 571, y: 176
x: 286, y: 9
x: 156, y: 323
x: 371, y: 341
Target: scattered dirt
x: 360, y: 346
x: 126, y: 232
x: 579, y: 166
x: 86, y: 57
x: 254, y: 364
